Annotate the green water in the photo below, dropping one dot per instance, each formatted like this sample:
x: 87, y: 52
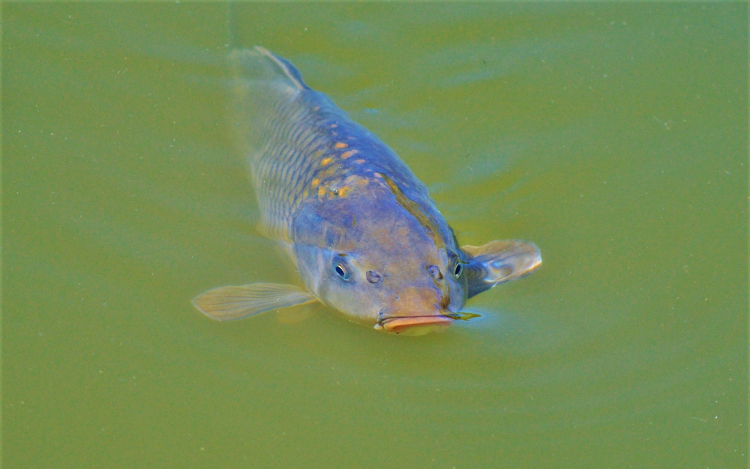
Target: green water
x: 612, y: 135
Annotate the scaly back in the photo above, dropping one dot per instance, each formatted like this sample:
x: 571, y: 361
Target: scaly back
x: 298, y: 144
x: 281, y: 124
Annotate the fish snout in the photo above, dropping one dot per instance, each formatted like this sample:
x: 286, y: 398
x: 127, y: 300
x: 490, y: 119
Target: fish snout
x: 413, y: 313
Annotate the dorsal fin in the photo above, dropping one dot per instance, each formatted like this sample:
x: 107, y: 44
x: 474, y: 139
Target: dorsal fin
x: 262, y: 64
x: 286, y: 66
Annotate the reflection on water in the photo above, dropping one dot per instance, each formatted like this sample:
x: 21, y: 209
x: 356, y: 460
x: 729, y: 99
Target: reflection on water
x: 124, y: 198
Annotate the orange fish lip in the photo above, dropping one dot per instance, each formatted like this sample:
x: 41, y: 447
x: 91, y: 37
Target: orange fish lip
x: 398, y: 324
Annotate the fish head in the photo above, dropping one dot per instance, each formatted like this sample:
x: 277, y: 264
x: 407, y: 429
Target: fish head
x: 371, y: 259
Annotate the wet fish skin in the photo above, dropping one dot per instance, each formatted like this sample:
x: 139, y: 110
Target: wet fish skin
x: 361, y: 229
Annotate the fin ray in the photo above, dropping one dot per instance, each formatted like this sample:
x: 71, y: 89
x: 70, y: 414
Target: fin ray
x: 286, y: 66
x: 237, y: 302
x: 500, y: 261
x: 262, y: 65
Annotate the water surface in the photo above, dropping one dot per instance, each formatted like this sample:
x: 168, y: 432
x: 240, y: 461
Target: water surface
x: 613, y: 136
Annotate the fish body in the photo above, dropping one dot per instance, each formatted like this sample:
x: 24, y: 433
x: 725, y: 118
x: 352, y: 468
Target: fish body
x: 361, y: 229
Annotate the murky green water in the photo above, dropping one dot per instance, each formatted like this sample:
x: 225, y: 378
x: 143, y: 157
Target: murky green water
x: 613, y: 136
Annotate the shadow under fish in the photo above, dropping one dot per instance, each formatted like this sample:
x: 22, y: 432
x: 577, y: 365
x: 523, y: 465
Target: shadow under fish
x: 357, y: 224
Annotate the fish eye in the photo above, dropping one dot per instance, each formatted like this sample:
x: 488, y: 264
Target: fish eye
x: 373, y: 277
x: 342, y: 271
x: 457, y: 270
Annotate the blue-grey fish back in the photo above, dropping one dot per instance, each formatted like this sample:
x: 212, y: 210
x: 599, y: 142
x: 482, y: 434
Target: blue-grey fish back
x: 297, y: 142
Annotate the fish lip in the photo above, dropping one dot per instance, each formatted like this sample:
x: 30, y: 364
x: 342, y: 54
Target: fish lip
x: 400, y: 323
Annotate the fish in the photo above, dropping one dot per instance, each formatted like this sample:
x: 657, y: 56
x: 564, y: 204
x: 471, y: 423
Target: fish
x: 358, y: 226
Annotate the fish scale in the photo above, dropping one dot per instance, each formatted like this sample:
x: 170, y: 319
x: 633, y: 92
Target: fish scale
x: 284, y: 170
x: 302, y: 122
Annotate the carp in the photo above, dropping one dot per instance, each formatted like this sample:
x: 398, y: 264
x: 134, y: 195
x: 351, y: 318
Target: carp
x: 357, y: 224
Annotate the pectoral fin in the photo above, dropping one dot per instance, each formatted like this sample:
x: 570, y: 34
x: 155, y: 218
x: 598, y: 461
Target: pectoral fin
x: 499, y: 261
x: 229, y: 303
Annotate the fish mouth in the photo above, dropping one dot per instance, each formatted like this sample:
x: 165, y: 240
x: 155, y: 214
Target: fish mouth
x: 413, y: 325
